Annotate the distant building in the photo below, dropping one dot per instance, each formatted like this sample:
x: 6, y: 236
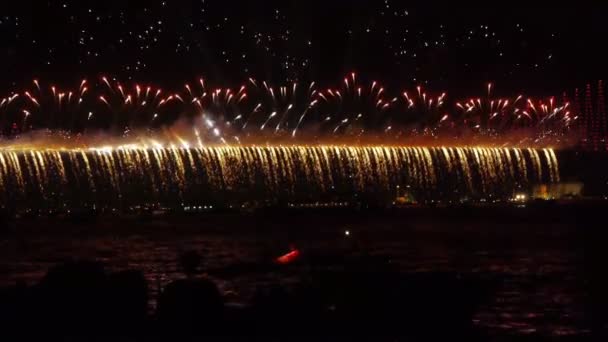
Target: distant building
x: 557, y: 191
x: 405, y: 200
x: 594, y: 123
x: 404, y: 197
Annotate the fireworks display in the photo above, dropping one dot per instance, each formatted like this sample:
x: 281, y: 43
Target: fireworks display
x: 112, y: 142
x: 275, y: 106
x: 343, y: 158
x: 130, y: 174
x: 256, y: 111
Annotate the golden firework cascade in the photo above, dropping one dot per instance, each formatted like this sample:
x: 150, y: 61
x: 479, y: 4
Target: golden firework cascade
x: 134, y: 173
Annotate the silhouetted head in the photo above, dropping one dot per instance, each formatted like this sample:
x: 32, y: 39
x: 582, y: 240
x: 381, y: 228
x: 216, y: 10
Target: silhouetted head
x: 190, y: 262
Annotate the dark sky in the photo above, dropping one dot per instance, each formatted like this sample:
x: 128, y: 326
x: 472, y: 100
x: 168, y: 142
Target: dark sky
x: 536, y: 48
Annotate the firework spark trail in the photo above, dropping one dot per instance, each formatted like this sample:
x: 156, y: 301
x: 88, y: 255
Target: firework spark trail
x: 181, y: 173
x: 272, y: 115
x: 353, y: 108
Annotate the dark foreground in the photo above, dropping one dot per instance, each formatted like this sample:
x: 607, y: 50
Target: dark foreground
x: 81, y: 299
x: 474, y: 273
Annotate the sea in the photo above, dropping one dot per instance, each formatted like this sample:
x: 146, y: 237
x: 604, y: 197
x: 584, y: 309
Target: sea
x: 549, y: 259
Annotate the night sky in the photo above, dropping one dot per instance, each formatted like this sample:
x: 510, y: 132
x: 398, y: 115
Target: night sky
x: 544, y: 49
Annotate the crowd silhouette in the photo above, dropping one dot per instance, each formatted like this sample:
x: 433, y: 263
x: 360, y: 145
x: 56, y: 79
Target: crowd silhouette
x: 80, y: 298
